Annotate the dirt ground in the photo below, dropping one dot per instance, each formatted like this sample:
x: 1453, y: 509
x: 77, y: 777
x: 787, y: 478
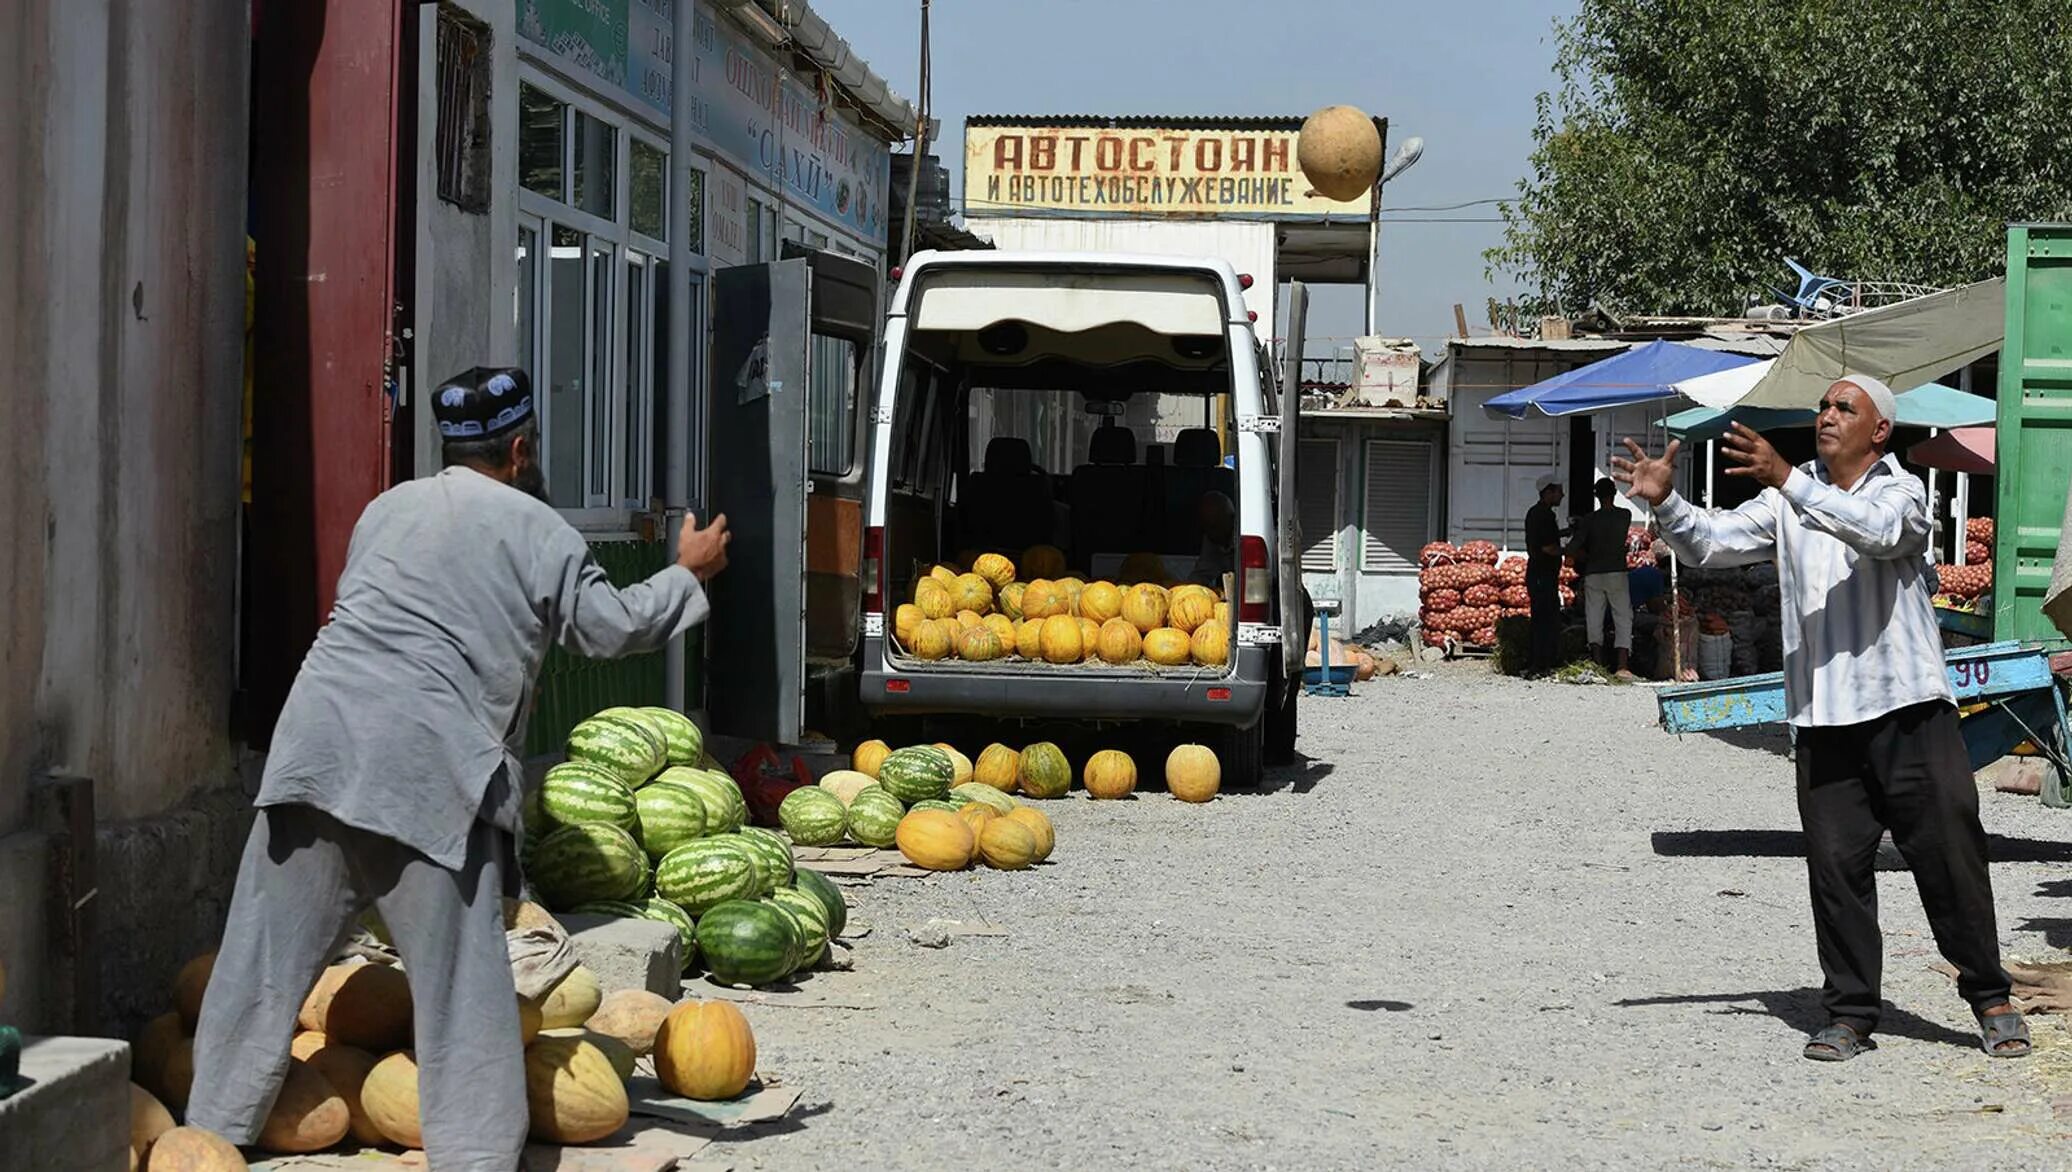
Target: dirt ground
x: 1486, y: 923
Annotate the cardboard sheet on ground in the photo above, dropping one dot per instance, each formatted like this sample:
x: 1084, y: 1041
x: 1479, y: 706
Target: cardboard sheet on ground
x: 858, y: 862
x: 762, y: 1104
x: 645, y: 1144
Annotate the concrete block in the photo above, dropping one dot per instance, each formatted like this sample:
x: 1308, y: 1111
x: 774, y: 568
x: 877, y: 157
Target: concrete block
x: 74, y: 1114
x: 627, y: 953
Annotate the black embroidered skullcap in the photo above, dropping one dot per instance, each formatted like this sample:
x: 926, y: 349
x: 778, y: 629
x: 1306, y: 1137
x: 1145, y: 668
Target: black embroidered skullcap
x: 482, y: 403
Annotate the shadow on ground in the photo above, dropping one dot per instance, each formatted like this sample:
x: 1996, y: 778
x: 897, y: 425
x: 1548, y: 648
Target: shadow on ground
x: 1800, y: 1009
x: 1790, y: 844
x: 1300, y: 777
x: 1762, y: 738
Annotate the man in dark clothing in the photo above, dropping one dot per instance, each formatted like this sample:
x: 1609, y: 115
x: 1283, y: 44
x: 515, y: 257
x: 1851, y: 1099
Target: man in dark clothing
x: 1543, y: 577
x: 1599, y: 552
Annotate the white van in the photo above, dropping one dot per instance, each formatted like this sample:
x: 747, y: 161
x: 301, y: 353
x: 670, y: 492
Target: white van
x: 1083, y: 406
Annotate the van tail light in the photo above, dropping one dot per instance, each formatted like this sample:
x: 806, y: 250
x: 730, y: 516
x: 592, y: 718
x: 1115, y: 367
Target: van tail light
x: 874, y: 590
x: 1254, y: 587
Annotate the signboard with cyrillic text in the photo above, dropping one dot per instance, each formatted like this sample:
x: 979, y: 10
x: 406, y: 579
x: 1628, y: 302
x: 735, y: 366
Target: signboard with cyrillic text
x: 1242, y: 170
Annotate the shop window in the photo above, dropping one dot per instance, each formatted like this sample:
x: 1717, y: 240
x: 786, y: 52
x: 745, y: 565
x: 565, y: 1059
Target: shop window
x: 462, y: 138
x: 637, y: 406
x: 528, y: 292
x: 1397, y: 520
x: 831, y: 406
x: 596, y: 167
x: 600, y: 373
x: 1316, y: 492
x: 541, y: 120
x: 566, y: 365
x: 647, y: 189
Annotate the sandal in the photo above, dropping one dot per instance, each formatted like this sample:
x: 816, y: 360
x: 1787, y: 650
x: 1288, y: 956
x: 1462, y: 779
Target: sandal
x: 2004, y: 1035
x: 1838, y: 1043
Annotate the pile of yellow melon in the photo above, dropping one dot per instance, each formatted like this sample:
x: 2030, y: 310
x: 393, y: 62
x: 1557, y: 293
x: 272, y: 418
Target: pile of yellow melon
x: 986, y: 614
x: 352, y: 1076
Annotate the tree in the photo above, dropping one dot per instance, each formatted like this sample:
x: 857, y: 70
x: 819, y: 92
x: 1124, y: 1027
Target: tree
x: 1692, y: 145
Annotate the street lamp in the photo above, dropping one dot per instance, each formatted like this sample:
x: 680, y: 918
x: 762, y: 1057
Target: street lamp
x: 1405, y: 157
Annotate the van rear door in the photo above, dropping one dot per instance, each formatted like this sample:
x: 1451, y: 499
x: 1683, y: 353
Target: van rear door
x: 1294, y: 639
x: 757, y: 633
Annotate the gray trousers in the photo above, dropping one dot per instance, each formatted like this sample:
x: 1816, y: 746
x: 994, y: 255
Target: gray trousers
x: 304, y: 879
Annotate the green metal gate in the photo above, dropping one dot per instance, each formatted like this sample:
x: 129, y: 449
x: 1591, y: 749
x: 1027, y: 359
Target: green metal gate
x: 2035, y: 428
x: 572, y: 688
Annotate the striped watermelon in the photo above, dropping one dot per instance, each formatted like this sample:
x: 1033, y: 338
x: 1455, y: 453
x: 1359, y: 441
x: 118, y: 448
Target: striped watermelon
x: 813, y: 817
x: 726, y: 811
x: 587, y: 862
x: 620, y: 740
x: 985, y: 795
x: 813, y: 917
x: 575, y: 792
x: 818, y: 886
x: 773, y: 858
x: 746, y: 942
x: 874, y: 818
x: 671, y: 814
x: 698, y: 875
x: 917, y: 774
x: 662, y: 911
x: 932, y: 804
x: 682, y: 741
x: 625, y: 909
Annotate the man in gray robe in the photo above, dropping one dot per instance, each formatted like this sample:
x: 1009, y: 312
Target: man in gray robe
x: 394, y: 775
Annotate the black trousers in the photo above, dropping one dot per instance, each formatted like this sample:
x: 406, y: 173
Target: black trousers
x: 1544, y: 651
x: 1906, y: 771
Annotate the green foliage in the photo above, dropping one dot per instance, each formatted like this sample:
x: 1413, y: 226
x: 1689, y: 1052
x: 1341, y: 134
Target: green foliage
x: 1692, y: 145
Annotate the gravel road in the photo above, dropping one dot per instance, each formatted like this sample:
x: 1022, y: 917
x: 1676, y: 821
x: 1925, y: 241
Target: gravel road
x: 1486, y: 924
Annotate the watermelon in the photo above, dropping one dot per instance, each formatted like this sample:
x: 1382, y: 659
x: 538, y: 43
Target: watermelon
x: 985, y: 795
x: 874, y: 818
x: 587, y: 862
x: 773, y: 857
x: 917, y: 774
x: 818, y: 886
x: 664, y: 912
x: 746, y: 942
x: 575, y: 792
x: 682, y: 741
x: 625, y: 909
x: 955, y: 800
x: 671, y: 814
x: 621, y: 741
x: 932, y: 804
x: 698, y: 875
x: 725, y: 809
x: 812, y: 923
x: 813, y: 817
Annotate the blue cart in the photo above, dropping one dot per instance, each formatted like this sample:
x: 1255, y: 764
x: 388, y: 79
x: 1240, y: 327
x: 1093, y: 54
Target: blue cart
x: 2013, y: 680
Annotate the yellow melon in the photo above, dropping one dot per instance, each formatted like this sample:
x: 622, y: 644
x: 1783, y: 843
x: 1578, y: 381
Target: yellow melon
x: 179, y: 1075
x: 572, y: 1093
x: 148, y: 1120
x: 1167, y: 647
x: 1073, y: 589
x: 571, y: 1002
x: 945, y: 574
x: 976, y: 815
x: 1145, y: 607
x: 306, y: 1043
x: 1010, y: 600
x: 1041, y: 599
x: 346, y: 1068
x: 1192, y: 773
x: 1028, y: 639
x: 389, y: 1097
x: 997, y: 766
x: 1002, y: 628
x: 619, y: 1054
x: 1061, y: 641
x: 153, y: 1048
x: 1100, y: 602
x: 1339, y: 151
x: 632, y: 1016
x: 906, y: 620
x: 189, y: 986
x: 868, y: 756
x: 933, y: 597
x: 1191, y: 608
x: 191, y: 1149
x: 960, y: 765
x: 1119, y: 642
x: 1110, y: 774
x: 995, y: 569
x: 931, y: 642
x: 967, y: 619
x: 529, y: 1020
x: 1221, y: 615
x: 364, y: 1005
x: 307, y: 1116
x: 1038, y: 824
x: 972, y: 593
x: 1211, y: 646
x: 981, y: 644
x: 1007, y: 845
x: 934, y: 839
x: 1089, y: 640
x: 705, y: 1051
x: 1043, y: 561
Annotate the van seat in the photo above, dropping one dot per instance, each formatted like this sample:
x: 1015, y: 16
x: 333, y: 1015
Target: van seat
x: 1108, y: 496
x: 1197, y: 470
x: 1007, y: 505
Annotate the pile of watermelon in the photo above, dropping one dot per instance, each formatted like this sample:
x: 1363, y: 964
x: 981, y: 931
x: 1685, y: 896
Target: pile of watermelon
x: 637, y: 822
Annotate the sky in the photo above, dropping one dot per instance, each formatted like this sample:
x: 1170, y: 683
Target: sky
x: 1461, y: 76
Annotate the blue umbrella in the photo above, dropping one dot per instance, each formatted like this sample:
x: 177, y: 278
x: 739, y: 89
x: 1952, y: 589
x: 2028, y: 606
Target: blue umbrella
x: 1640, y: 375
x: 1933, y: 405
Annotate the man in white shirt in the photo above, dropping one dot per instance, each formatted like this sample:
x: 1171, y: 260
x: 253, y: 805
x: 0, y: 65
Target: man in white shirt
x: 1868, y: 696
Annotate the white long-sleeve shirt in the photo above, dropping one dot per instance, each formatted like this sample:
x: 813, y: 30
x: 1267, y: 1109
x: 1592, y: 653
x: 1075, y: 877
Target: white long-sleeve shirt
x: 1853, y: 569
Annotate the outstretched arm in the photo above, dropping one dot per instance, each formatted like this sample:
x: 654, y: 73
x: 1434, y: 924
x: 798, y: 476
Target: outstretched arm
x: 592, y: 618
x: 1703, y: 537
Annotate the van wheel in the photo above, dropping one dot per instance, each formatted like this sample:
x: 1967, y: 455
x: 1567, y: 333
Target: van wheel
x: 1244, y: 752
x: 1280, y: 728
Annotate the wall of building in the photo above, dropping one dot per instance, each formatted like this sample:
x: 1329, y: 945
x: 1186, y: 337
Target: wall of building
x: 1247, y: 245
x: 122, y: 292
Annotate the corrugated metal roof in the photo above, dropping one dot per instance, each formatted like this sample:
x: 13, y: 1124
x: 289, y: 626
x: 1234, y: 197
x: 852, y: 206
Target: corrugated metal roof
x: 1570, y: 345
x: 1136, y: 121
